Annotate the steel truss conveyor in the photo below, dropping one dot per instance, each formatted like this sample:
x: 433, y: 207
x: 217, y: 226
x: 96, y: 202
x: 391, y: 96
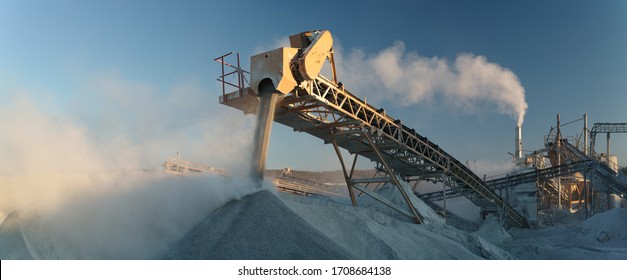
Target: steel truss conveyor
x: 321, y: 108
x: 326, y: 110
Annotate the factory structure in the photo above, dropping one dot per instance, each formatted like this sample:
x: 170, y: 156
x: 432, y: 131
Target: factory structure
x: 285, y: 85
x: 567, y: 174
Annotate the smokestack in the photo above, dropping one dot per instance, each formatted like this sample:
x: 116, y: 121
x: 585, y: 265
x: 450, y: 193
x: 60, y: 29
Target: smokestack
x: 518, y: 148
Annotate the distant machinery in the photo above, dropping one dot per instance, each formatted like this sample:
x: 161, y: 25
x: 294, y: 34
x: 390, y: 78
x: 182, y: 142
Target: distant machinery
x: 577, y: 178
x: 565, y: 174
x: 311, y: 103
x: 595, y: 184
x: 181, y: 167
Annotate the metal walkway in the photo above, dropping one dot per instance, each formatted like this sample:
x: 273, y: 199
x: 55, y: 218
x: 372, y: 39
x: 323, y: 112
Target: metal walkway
x: 606, y: 128
x: 327, y: 111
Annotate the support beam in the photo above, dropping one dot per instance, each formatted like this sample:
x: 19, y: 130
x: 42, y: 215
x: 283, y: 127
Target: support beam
x: 347, y: 178
x: 444, y: 184
x: 417, y: 217
x: 354, y: 183
x: 385, y: 201
x: 586, y: 192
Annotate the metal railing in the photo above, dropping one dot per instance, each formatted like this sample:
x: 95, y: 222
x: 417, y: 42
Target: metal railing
x: 236, y: 72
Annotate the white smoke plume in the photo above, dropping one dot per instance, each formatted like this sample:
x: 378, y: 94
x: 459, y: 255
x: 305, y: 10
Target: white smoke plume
x: 470, y: 82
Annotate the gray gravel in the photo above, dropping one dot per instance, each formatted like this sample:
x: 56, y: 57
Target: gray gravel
x: 260, y: 226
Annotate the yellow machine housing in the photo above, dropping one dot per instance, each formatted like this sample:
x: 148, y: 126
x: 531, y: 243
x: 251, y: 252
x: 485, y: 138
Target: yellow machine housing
x: 273, y: 65
x: 311, y: 61
x: 287, y: 67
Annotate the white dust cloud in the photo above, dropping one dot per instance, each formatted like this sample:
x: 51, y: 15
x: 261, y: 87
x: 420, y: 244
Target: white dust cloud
x: 153, y: 123
x: 91, y: 172
x: 136, y: 215
x: 470, y: 83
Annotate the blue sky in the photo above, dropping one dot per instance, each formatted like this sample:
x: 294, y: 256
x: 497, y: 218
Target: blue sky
x: 134, y: 72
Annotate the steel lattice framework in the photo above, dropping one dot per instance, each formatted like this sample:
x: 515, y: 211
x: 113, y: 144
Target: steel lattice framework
x: 325, y: 110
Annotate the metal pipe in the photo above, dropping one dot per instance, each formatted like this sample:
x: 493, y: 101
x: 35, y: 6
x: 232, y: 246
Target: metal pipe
x: 608, y: 149
x: 585, y: 135
x: 518, y: 147
x: 559, y: 162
